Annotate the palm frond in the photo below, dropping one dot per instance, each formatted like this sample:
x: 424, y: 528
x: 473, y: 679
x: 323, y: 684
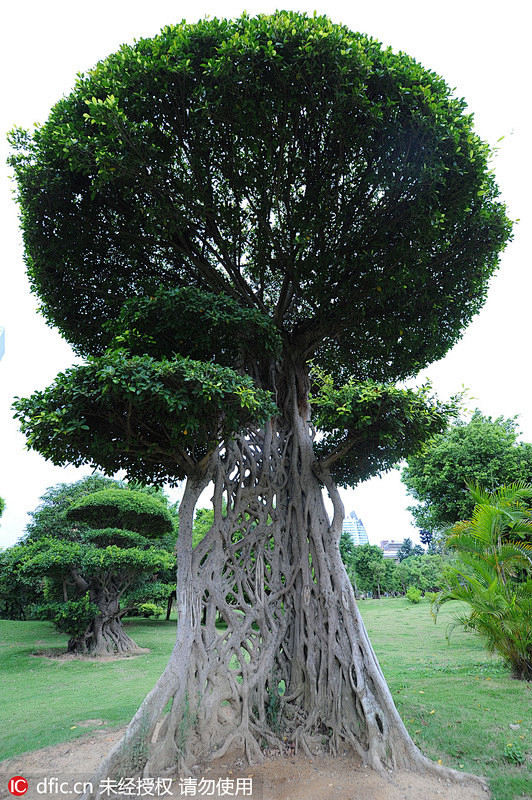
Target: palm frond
x: 487, y: 577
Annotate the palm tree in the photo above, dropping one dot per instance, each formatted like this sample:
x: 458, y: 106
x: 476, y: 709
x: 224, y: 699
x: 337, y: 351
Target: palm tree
x: 492, y: 574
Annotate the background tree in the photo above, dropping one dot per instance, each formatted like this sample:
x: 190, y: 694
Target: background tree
x: 493, y: 574
x: 483, y: 451
x: 365, y: 558
x: 408, y: 549
x: 391, y: 583
x: 17, y: 597
x: 98, y: 556
x: 2, y: 505
x: 347, y: 554
x: 423, y: 572
x: 366, y: 567
x: 209, y: 213
x: 378, y: 571
x: 425, y: 537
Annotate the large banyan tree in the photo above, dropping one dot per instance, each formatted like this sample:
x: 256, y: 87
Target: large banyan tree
x: 252, y: 230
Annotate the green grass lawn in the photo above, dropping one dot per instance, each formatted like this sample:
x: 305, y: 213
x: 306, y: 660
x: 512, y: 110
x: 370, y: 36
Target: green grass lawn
x: 43, y: 700
x: 456, y: 701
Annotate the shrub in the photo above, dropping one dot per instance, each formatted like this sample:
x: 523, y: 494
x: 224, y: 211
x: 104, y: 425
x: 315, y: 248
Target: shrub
x: 71, y: 617
x: 494, y: 560
x: 151, y: 610
x: 413, y: 595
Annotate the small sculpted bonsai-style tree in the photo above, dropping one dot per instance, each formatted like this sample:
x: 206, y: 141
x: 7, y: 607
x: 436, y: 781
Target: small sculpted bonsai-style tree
x: 252, y: 229
x: 97, y: 571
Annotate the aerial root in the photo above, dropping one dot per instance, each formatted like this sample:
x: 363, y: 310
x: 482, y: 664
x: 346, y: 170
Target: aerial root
x: 447, y: 773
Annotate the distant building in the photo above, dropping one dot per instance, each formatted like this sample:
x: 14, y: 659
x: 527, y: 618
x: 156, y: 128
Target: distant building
x: 355, y: 528
x: 2, y: 342
x: 390, y: 549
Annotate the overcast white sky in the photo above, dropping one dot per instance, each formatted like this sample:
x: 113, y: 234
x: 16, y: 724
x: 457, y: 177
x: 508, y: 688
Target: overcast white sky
x: 481, y: 49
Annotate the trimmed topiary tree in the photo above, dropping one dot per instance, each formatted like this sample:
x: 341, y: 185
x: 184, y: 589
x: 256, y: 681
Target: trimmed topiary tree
x: 128, y: 510
x: 229, y: 219
x: 93, y: 571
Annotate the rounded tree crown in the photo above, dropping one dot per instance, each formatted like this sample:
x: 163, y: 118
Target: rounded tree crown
x: 125, y: 509
x: 282, y: 161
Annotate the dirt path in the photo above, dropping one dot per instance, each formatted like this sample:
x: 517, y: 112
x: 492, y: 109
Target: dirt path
x: 291, y: 778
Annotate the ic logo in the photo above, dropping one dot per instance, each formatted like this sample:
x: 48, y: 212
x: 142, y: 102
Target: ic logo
x: 18, y: 785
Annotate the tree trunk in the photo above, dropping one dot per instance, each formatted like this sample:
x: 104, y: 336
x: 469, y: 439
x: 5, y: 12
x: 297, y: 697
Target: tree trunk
x: 169, y: 604
x: 292, y: 662
x: 105, y: 634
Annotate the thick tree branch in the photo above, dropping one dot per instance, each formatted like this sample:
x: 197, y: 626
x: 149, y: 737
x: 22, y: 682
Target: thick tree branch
x: 79, y: 581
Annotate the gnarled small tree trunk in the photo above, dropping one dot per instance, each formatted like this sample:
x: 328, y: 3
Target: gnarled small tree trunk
x: 105, y: 634
x: 270, y: 645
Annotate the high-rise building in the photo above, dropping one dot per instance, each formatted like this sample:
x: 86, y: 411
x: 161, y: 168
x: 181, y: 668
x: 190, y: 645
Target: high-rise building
x: 390, y: 548
x: 354, y: 526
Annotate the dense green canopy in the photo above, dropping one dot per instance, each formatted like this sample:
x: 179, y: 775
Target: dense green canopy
x: 156, y: 419
x: 236, y: 193
x: 131, y: 511
x: 369, y: 427
x: 483, y: 451
x: 284, y: 161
